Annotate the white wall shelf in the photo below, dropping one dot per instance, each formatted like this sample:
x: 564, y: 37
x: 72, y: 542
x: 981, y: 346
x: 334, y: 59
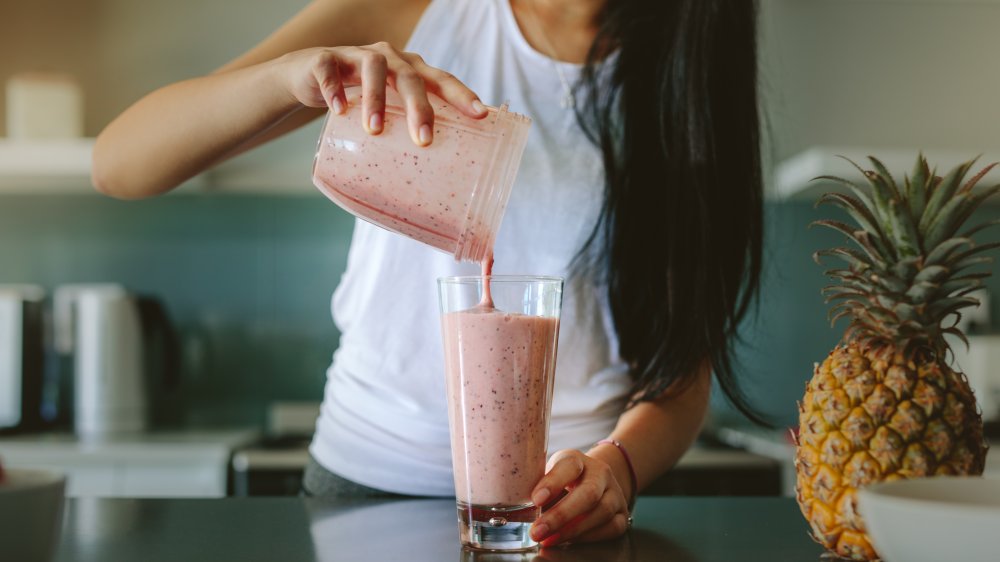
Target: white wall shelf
x: 50, y: 166
x: 794, y: 177
x: 62, y: 167
x: 245, y: 177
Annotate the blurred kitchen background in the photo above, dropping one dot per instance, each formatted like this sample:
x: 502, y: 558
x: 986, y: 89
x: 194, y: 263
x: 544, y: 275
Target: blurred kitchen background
x: 244, y: 258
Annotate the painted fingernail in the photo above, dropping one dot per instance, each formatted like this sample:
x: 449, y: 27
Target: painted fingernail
x: 540, y: 496
x: 375, y: 123
x: 540, y: 531
x: 478, y: 107
x: 553, y: 540
x: 425, y: 134
x: 336, y: 105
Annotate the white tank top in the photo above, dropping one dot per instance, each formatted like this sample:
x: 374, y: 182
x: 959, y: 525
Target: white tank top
x: 384, y: 420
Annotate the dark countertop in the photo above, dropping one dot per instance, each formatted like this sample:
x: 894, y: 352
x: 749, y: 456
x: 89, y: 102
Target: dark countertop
x: 674, y: 529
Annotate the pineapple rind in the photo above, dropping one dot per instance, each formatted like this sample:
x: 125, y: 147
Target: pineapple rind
x: 844, y: 446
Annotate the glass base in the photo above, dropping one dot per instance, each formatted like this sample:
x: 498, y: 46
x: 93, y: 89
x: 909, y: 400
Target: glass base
x: 497, y: 528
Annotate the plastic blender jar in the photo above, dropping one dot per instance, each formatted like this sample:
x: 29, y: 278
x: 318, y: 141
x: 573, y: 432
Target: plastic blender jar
x: 450, y: 195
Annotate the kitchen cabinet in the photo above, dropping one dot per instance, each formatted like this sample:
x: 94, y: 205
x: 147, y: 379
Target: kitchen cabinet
x: 777, y: 445
x: 275, y: 467
x: 794, y: 178
x: 167, y: 464
x: 773, y: 444
x: 712, y: 471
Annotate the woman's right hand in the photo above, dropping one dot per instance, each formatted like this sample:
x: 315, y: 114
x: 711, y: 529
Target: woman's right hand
x: 316, y: 77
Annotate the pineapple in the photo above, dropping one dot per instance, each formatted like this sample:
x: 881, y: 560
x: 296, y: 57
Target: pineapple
x: 885, y: 404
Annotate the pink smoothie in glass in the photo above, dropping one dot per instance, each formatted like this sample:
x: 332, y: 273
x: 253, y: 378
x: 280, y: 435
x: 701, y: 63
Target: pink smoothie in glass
x: 500, y: 369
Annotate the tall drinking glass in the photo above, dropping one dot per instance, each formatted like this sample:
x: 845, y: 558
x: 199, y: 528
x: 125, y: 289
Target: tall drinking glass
x: 499, y: 361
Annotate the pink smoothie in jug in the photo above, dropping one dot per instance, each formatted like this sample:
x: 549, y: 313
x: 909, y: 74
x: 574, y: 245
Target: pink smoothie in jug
x: 450, y: 195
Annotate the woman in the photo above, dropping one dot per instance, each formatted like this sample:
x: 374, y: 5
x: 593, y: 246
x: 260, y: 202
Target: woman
x: 640, y: 184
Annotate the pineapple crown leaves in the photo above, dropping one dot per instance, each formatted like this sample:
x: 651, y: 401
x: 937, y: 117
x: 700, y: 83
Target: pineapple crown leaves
x: 909, y: 269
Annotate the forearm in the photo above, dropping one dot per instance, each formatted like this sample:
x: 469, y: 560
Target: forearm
x: 180, y: 130
x: 656, y: 434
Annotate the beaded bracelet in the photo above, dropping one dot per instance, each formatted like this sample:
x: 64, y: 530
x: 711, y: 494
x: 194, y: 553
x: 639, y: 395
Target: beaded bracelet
x: 631, y: 469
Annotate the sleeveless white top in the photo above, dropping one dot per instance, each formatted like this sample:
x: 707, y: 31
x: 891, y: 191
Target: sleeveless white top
x: 384, y: 419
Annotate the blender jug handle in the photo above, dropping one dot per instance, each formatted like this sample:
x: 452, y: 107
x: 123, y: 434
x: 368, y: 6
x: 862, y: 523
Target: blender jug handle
x: 160, y: 334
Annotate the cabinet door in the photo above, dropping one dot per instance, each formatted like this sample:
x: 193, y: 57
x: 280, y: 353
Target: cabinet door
x: 95, y: 480
x: 169, y: 480
x: 993, y: 462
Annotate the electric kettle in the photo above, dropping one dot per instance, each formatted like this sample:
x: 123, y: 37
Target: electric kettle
x: 21, y: 357
x: 111, y: 334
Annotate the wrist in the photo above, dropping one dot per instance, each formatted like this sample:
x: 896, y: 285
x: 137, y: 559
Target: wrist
x: 277, y: 78
x: 617, y: 456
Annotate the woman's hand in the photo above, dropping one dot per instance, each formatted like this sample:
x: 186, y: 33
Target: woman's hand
x: 593, y: 508
x: 316, y: 77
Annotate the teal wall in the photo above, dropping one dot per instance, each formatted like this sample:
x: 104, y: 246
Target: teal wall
x: 248, y: 281
x: 790, y: 332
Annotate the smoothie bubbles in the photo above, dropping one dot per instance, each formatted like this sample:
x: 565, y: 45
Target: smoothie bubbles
x: 450, y: 195
x: 500, y: 365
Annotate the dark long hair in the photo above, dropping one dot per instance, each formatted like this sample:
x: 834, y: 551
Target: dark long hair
x: 679, y: 240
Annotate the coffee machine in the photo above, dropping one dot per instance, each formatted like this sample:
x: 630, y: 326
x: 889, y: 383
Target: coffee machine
x: 21, y: 357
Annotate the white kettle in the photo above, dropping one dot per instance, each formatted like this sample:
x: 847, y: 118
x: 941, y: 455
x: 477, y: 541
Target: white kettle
x: 107, y: 329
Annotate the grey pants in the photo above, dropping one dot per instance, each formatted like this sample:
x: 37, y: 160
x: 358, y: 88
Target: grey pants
x: 321, y: 483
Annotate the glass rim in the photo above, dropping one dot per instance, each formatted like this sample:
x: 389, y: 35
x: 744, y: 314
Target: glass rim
x: 476, y: 279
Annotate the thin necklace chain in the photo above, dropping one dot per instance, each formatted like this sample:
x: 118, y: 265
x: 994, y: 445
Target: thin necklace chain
x: 568, y: 100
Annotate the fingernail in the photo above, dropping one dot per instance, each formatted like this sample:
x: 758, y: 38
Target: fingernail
x: 478, y: 107
x: 425, y: 134
x: 540, y: 531
x: 540, y: 496
x: 375, y: 123
x: 336, y: 105
x: 553, y: 540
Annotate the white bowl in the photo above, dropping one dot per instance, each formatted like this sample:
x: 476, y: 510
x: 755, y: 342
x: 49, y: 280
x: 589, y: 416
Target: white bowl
x: 31, y: 508
x: 936, y: 519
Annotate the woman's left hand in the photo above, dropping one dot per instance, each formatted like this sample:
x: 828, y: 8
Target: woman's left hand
x: 593, y: 508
